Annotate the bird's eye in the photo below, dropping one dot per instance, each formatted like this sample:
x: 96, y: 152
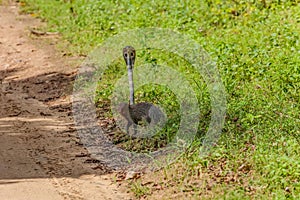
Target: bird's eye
x: 125, y: 54
x: 131, y: 54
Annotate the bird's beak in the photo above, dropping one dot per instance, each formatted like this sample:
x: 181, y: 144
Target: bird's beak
x: 129, y: 62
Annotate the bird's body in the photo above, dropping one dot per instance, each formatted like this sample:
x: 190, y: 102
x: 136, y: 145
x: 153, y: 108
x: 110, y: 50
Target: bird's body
x: 135, y: 113
x: 143, y: 112
x: 139, y: 112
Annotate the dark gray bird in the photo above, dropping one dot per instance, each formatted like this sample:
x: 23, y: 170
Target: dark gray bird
x: 141, y: 112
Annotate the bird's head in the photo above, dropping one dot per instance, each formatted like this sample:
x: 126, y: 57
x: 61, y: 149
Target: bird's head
x: 129, y: 56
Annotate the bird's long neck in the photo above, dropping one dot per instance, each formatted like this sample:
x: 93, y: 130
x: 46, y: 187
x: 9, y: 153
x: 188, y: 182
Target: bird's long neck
x: 131, y: 86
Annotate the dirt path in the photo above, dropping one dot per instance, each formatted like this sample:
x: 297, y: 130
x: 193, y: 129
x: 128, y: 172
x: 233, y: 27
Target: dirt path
x: 41, y: 156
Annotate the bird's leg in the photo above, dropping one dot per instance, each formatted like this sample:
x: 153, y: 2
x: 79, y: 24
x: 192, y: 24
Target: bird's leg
x: 134, y: 128
x: 127, y: 128
x: 129, y: 123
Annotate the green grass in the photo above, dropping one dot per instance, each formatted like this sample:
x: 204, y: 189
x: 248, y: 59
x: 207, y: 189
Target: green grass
x: 256, y: 46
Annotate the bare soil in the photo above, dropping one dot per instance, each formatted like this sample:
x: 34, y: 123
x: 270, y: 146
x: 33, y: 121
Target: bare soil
x: 41, y: 156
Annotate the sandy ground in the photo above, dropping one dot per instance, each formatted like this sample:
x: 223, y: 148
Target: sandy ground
x: 41, y: 156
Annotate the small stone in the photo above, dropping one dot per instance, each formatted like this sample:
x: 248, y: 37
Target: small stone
x: 132, y: 175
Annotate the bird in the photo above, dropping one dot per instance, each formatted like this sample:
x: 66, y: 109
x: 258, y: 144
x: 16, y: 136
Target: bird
x: 140, y: 112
